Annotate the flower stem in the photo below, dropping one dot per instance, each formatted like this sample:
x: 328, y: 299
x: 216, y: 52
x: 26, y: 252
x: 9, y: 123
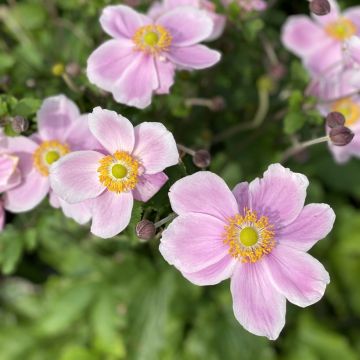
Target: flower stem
x: 170, y: 217
x: 185, y: 149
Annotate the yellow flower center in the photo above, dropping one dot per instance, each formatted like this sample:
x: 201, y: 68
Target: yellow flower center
x: 47, y: 153
x: 152, y: 39
x: 341, y: 29
x: 249, y: 237
x: 349, y: 109
x: 119, y: 172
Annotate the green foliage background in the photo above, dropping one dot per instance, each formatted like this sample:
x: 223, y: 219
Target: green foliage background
x: 67, y: 295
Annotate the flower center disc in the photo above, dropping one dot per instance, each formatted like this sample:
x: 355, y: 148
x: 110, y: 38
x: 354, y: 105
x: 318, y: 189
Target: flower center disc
x: 341, y: 29
x: 152, y: 39
x: 349, y: 109
x: 248, y: 236
x: 119, y: 172
x: 47, y: 153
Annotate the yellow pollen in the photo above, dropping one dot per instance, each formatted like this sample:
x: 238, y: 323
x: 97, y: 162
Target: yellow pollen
x: 152, y: 39
x: 249, y: 237
x: 47, y: 153
x: 341, y: 29
x: 119, y: 172
x: 349, y: 109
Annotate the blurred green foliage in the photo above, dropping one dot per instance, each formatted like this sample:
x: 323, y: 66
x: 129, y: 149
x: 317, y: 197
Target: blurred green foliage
x: 67, y: 295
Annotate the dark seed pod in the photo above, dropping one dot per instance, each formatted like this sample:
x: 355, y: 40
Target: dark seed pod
x: 202, y: 159
x: 341, y: 136
x: 145, y: 230
x: 320, y: 7
x: 335, y: 119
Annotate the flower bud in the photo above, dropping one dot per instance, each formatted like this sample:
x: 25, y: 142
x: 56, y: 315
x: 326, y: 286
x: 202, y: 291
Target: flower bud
x: 58, y: 69
x: 320, y: 7
x: 145, y: 230
x: 73, y: 69
x: 341, y: 136
x: 19, y: 124
x: 335, y: 119
x: 202, y: 158
x: 218, y: 103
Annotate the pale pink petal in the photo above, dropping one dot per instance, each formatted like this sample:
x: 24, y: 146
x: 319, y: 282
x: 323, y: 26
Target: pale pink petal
x: 331, y: 17
x: 148, y: 186
x: 55, y: 117
x: 302, y: 36
x: 193, y: 242
x: 136, y: 86
x: 328, y: 55
x: 80, y: 137
x: 203, y: 192
x: 10, y: 175
x: 2, y: 216
x: 33, y: 189
x: 342, y: 154
x: 121, y: 21
x: 187, y: 25
x: 54, y: 200
x: 108, y: 63
x: 353, y: 13
x: 354, y: 48
x: 194, y: 57
x: 241, y: 193
x: 156, y: 10
x: 23, y: 148
x: 113, y: 131
x: 74, y: 177
x: 166, y: 74
x: 79, y: 212
x: 219, y: 22
x: 313, y: 224
x: 258, y: 306
x: 111, y: 213
x: 279, y: 195
x: 213, y: 274
x: 297, y: 275
x: 155, y: 147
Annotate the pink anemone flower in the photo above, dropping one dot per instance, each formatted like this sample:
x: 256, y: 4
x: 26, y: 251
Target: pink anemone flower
x: 248, y: 5
x: 219, y: 21
x: 143, y: 56
x: 320, y: 42
x: 61, y: 129
x: 129, y: 166
x: 257, y: 235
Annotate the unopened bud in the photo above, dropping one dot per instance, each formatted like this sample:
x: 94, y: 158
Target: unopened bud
x: 335, y: 119
x: 19, y: 124
x: 341, y: 136
x: 145, y: 230
x: 202, y: 158
x: 320, y: 7
x: 218, y: 103
x: 73, y: 69
x: 58, y: 69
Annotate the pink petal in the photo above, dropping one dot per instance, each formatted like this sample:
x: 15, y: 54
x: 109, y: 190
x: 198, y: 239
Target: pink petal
x: 193, y: 242
x: 55, y: 117
x: 74, y: 177
x: 113, y: 131
x: 24, y: 148
x: 155, y: 147
x: 194, y: 57
x: 279, y: 195
x: 80, y: 137
x: 297, y: 275
x: 187, y: 25
x: 2, y: 217
x: 219, y: 22
x: 166, y: 73
x: 313, y: 224
x: 111, y: 213
x: 213, y: 274
x: 241, y: 193
x: 257, y: 304
x: 203, y: 192
x: 353, y: 13
x: 79, y: 212
x: 10, y: 175
x: 302, y: 36
x: 148, y: 186
x: 54, y: 200
x: 108, y: 63
x: 121, y: 21
x: 29, y: 194
x: 136, y: 86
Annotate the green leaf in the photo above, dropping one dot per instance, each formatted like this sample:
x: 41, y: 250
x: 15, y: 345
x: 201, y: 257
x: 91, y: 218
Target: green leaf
x: 27, y: 107
x: 293, y: 122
